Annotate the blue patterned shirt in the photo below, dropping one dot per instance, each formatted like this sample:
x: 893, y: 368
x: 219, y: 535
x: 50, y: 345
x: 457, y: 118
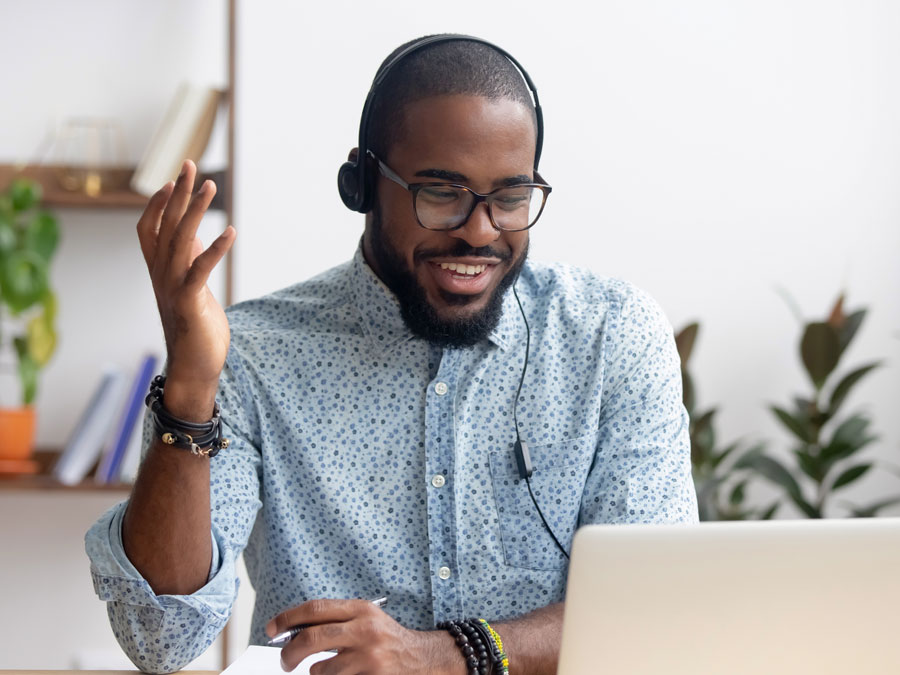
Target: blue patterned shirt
x: 367, y: 462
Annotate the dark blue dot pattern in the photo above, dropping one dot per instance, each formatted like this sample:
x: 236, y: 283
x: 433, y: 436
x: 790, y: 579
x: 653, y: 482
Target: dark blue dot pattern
x: 366, y: 462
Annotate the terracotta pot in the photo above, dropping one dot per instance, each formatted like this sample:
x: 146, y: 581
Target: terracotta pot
x: 16, y: 432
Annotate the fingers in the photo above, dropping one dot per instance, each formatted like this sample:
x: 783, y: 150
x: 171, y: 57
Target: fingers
x: 148, y: 225
x: 176, y: 206
x: 180, y: 244
x: 203, y: 264
x: 316, y: 611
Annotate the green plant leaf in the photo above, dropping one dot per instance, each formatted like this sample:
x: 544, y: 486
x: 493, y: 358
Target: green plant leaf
x: 737, y: 493
x: 846, y: 384
x: 849, y: 328
x: 850, y: 475
x: 809, y: 464
x: 684, y: 341
x: 799, y: 427
x: 687, y: 391
x: 28, y: 371
x: 42, y: 235
x: 23, y: 280
x: 872, y: 510
x: 41, y: 339
x: 24, y: 194
x: 769, y: 513
x: 719, y: 457
x: 774, y: 471
x: 851, y: 433
x: 48, y: 300
x: 820, y: 350
x: 8, y: 238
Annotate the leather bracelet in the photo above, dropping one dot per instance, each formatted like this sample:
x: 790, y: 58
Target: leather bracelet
x: 201, y: 438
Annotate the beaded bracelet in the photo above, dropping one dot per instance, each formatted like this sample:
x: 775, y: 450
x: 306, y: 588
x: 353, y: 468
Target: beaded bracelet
x: 500, y: 658
x: 480, y: 645
x: 473, y: 648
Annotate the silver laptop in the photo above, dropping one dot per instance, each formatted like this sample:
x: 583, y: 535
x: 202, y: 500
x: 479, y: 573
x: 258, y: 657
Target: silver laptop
x: 791, y: 597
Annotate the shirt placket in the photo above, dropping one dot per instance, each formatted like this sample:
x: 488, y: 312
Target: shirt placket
x: 439, y: 462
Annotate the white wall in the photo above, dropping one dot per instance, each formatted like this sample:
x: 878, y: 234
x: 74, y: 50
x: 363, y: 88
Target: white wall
x: 708, y: 151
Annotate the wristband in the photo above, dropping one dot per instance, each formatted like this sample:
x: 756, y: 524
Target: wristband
x: 200, y: 438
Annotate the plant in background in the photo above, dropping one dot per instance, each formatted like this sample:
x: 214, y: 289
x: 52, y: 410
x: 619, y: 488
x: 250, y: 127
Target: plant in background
x: 28, y: 239
x: 825, y: 456
x: 716, y: 471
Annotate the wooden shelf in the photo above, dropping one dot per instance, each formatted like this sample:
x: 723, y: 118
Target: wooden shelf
x: 121, y: 197
x: 44, y: 482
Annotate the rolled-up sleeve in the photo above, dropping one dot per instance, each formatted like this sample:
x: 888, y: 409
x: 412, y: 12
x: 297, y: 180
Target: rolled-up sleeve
x: 163, y: 633
x: 642, y: 466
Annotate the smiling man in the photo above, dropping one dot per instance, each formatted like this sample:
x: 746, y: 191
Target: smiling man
x: 429, y: 422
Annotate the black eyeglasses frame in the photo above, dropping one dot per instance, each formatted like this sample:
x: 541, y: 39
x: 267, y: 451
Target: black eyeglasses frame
x: 488, y: 198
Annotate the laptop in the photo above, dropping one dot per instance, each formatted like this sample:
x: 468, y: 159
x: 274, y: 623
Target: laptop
x: 775, y: 597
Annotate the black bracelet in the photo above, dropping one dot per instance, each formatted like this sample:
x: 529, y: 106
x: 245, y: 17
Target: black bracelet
x: 200, y: 438
x: 472, y: 645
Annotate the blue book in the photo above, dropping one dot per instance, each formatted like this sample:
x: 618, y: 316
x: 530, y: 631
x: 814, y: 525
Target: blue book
x: 111, y: 464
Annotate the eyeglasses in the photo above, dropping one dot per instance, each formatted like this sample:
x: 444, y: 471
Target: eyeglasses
x: 446, y: 206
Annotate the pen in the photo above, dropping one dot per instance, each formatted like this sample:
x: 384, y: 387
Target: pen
x: 283, y: 638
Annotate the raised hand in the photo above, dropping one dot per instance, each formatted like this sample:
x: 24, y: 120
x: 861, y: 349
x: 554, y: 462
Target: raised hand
x: 194, y: 324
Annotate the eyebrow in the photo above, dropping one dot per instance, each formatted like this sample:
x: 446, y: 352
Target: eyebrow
x: 456, y: 177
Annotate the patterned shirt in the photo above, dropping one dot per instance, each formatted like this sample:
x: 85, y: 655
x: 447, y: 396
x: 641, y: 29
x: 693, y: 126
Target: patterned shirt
x: 367, y: 462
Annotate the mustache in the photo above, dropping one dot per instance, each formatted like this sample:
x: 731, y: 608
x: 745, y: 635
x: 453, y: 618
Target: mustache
x: 462, y: 250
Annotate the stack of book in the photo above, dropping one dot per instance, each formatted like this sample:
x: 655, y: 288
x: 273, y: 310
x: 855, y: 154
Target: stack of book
x: 109, y: 429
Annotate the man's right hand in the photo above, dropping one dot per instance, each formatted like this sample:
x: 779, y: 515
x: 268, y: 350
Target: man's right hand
x: 194, y: 324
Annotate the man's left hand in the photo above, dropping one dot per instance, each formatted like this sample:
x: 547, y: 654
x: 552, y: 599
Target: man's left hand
x: 367, y: 641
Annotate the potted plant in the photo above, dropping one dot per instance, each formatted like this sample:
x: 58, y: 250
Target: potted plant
x: 826, y: 447
x: 716, y: 471
x: 28, y: 239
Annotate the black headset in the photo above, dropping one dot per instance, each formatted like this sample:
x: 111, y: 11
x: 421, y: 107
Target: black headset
x: 356, y: 187
x: 356, y: 183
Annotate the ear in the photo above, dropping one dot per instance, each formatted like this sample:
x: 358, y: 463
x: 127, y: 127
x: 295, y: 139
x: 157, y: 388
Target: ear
x: 353, y: 155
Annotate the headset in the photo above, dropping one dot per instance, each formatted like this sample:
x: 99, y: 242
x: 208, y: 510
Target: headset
x: 356, y: 185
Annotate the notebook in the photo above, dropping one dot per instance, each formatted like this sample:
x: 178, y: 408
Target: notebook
x: 792, y: 597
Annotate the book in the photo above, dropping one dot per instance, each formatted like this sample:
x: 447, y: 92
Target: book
x: 93, y: 428
x: 182, y: 134
x: 111, y: 463
x: 131, y: 462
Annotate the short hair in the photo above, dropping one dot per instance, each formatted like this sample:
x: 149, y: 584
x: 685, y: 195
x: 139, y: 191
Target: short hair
x: 440, y: 69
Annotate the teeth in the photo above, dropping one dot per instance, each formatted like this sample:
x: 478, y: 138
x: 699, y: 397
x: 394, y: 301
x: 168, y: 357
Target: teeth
x: 464, y: 269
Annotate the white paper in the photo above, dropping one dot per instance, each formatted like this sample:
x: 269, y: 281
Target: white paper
x: 267, y: 661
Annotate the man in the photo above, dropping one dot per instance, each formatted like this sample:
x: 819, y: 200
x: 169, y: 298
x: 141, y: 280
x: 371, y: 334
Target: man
x: 380, y: 416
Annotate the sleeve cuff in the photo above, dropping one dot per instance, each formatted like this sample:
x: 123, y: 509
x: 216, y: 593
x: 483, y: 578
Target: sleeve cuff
x: 117, y: 580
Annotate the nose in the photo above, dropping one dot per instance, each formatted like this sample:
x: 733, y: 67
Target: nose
x: 478, y: 230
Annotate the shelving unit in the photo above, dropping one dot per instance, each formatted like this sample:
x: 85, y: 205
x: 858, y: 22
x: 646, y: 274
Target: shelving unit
x: 42, y: 481
x: 123, y: 197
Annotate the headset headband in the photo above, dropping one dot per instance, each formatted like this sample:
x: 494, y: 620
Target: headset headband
x: 353, y: 183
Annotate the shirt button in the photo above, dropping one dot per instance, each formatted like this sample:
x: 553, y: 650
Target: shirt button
x: 444, y: 573
x: 438, y: 480
x: 441, y: 388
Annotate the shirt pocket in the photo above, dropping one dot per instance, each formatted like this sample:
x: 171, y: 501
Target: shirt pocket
x: 559, y: 474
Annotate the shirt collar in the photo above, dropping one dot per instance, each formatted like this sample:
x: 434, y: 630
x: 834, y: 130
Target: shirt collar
x: 380, y: 311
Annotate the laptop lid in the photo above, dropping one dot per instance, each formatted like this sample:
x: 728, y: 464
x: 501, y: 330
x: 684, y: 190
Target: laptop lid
x: 770, y: 597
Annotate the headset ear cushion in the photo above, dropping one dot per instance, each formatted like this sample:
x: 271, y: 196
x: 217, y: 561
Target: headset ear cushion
x: 348, y: 186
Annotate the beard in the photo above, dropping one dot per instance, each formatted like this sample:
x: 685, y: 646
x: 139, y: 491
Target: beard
x: 419, y: 315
